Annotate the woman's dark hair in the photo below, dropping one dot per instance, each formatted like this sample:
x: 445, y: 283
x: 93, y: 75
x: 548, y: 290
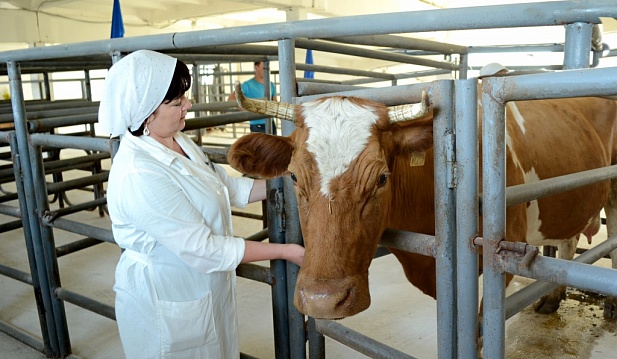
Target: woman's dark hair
x: 180, y: 83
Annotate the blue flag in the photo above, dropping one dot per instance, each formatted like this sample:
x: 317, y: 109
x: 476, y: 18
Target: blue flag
x: 117, y: 25
x: 309, y: 61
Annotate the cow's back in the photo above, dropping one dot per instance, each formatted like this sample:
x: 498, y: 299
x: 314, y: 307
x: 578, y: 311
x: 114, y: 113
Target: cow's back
x: 550, y: 138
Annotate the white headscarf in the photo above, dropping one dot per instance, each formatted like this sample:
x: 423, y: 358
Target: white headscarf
x: 134, y: 87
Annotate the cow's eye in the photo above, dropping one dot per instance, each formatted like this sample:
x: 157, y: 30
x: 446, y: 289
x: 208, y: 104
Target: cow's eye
x: 293, y: 178
x: 383, y: 178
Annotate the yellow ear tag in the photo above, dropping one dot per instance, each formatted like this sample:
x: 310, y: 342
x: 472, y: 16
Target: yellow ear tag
x: 417, y: 159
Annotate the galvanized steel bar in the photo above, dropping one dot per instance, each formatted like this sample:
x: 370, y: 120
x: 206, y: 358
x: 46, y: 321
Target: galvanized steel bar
x: 359, y: 342
x: 572, y: 83
x: 16, y: 274
x: 77, y: 183
x: 47, y: 124
x: 9, y: 226
x: 30, y: 248
x: 410, y: 242
x: 372, y: 54
x: 464, y: 66
x: 278, y: 271
x: 313, y: 88
x: 317, y: 342
x: 258, y: 236
x: 23, y: 337
x: 214, y: 106
x: 76, y: 246
x: 81, y: 228
x: 499, y: 16
x: 218, y: 120
x: 467, y: 221
x: 344, y: 71
x: 441, y: 94
x: 44, y: 105
x: 494, y: 214
x: 583, y: 276
x: 528, y: 295
x: 400, y: 76
x: 8, y: 197
x: 63, y: 141
x: 401, y: 42
x: 45, y: 113
x: 550, y: 186
x: 19, y: 146
x: 578, y: 46
x: 267, y: 95
x: 75, y: 162
x: 10, y: 210
x: 85, y: 302
x: 48, y: 246
x: 255, y: 272
x: 386, y: 95
x: 248, y: 215
x: 60, y: 212
x: 88, y: 85
x: 297, y: 330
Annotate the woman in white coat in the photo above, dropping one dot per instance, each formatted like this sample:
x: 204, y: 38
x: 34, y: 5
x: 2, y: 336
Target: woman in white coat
x: 170, y: 211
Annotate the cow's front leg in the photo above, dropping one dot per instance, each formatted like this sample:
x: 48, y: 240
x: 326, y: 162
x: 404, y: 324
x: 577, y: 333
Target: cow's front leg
x: 550, y: 302
x: 610, y: 303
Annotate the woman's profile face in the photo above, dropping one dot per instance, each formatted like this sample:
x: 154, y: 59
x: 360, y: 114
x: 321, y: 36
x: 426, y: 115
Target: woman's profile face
x: 169, y: 117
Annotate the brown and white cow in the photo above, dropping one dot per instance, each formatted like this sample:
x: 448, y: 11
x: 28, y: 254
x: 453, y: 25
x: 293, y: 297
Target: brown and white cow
x: 349, y: 159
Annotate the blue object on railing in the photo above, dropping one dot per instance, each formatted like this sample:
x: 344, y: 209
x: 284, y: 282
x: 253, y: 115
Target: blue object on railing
x: 117, y: 25
x: 309, y: 61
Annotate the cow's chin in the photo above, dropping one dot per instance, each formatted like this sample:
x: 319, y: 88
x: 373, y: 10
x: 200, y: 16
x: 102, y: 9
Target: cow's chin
x: 332, y: 299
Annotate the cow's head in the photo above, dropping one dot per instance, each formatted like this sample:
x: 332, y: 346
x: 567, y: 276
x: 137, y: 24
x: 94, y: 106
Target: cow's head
x: 339, y: 159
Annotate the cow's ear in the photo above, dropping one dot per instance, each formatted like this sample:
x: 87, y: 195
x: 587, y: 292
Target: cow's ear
x: 261, y: 155
x: 413, y: 137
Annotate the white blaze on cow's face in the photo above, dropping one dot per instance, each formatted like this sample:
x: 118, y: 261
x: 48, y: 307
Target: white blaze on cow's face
x: 338, y: 133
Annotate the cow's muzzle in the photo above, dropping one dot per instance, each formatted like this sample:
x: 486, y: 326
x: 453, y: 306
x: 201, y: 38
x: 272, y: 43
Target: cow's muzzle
x: 332, y: 298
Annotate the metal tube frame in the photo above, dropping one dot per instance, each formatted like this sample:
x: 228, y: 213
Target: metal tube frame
x: 495, y: 93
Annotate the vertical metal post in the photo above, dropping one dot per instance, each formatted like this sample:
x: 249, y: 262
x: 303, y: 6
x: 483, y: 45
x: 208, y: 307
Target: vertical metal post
x: 39, y: 293
x: 88, y: 85
x: 276, y: 234
x: 445, y: 231
x: 493, y: 217
x: 47, y: 85
x: 317, y: 342
x: 287, y: 71
x: 115, y: 56
x: 21, y: 132
x: 467, y: 216
x: 463, y: 66
x: 96, y: 167
x: 49, y: 248
x: 578, y: 46
x: 195, y: 93
x: 267, y: 94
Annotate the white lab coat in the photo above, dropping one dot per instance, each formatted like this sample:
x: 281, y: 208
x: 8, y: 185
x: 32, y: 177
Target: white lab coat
x: 175, y: 282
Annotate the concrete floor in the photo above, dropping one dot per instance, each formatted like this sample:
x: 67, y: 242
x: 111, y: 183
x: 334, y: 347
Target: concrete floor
x: 399, y: 316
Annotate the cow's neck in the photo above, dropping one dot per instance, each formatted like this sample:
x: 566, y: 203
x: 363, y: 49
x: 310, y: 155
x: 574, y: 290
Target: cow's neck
x: 413, y: 199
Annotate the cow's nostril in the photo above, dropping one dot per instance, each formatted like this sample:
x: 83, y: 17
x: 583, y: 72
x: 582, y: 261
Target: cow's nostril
x: 347, y: 298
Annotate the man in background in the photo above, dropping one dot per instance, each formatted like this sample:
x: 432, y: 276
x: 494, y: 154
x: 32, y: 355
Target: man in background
x: 254, y: 88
